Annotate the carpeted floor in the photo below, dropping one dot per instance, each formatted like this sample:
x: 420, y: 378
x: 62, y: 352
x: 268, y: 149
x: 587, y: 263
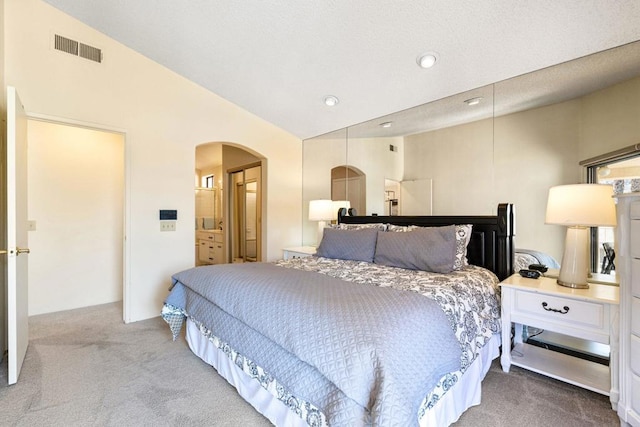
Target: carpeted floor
x: 86, y: 368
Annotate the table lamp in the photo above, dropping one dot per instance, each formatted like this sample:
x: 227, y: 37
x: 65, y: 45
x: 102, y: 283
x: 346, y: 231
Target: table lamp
x: 321, y: 211
x: 579, y: 206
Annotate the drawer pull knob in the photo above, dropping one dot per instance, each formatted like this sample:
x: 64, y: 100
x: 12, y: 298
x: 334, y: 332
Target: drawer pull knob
x: 564, y: 310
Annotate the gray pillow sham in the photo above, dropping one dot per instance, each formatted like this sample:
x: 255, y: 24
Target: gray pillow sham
x: 463, y: 236
x: 355, y: 245
x: 428, y: 249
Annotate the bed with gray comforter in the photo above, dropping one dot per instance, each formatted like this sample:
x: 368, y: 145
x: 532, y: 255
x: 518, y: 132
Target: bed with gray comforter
x: 380, y: 328
x: 348, y: 342
x: 365, y: 340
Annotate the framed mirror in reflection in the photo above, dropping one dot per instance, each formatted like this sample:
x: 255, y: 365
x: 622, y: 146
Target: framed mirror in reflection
x: 505, y: 142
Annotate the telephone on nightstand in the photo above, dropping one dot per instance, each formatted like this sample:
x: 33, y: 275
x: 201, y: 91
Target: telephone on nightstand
x: 530, y: 274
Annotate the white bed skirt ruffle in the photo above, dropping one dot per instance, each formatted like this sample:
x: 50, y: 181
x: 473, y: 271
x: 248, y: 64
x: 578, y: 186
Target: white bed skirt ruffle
x: 464, y: 394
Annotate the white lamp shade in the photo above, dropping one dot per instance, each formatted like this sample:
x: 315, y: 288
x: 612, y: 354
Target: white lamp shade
x: 587, y: 205
x: 320, y: 210
x: 337, y: 204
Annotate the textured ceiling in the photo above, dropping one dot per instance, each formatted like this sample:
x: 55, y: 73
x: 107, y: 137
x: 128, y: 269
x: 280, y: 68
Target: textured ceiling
x: 279, y: 58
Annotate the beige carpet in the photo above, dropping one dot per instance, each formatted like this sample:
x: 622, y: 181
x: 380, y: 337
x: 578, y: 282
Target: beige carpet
x: 86, y: 368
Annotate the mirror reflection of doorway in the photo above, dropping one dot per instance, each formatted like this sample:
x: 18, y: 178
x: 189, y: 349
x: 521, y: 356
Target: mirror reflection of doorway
x: 246, y: 219
x: 349, y: 183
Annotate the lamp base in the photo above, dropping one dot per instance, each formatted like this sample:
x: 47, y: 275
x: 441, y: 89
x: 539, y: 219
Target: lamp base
x: 574, y: 266
x: 573, y: 285
x: 321, y: 226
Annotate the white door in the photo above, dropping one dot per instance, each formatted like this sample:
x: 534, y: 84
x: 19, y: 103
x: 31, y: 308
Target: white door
x: 16, y: 224
x: 416, y: 197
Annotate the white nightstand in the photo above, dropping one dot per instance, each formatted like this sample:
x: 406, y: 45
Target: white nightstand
x: 299, y: 252
x: 590, y: 314
x: 604, y: 279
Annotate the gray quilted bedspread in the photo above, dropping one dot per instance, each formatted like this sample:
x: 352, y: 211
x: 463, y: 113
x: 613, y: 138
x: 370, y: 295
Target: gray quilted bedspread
x: 367, y: 341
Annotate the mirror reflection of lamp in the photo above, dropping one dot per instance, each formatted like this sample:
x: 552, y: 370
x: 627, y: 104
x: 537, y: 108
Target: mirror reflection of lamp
x: 321, y: 211
x: 579, y: 206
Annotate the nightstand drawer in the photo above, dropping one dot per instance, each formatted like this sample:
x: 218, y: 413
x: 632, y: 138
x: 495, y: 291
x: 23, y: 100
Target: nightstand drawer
x: 567, y: 311
x: 299, y: 252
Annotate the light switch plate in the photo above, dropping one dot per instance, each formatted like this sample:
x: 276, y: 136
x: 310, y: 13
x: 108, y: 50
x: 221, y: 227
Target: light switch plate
x: 167, y: 226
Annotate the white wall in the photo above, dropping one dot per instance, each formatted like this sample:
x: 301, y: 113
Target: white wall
x: 535, y: 150
x: 164, y: 117
x: 459, y: 160
x: 373, y: 157
x: 610, y: 119
x: 76, y: 199
x: 320, y: 157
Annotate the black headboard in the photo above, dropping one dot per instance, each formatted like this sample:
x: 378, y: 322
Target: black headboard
x: 491, y: 245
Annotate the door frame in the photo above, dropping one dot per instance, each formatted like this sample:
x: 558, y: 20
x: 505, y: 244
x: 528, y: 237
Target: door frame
x: 126, y: 243
x: 231, y: 208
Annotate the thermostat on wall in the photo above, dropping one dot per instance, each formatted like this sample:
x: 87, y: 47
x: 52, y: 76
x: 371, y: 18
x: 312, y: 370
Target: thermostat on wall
x: 168, y: 214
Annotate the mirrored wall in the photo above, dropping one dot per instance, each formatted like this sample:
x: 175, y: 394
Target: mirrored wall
x: 506, y: 142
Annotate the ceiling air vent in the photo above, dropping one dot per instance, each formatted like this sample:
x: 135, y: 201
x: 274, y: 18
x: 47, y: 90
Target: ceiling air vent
x: 76, y: 48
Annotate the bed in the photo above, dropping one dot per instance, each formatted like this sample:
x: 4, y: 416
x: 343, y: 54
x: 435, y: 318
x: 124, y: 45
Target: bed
x: 332, y: 339
x: 525, y: 257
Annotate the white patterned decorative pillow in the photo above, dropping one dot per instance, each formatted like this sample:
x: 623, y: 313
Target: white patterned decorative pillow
x: 463, y: 235
x: 400, y: 228
x: 376, y: 225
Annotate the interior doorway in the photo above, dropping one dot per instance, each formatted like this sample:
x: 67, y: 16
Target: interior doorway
x: 350, y: 183
x: 232, y: 230
x: 246, y: 214
x: 76, y: 203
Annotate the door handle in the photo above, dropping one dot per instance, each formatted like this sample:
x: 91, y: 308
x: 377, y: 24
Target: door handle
x: 18, y: 251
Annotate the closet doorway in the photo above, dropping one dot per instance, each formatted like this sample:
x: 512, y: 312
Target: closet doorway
x: 76, y: 185
x: 246, y: 213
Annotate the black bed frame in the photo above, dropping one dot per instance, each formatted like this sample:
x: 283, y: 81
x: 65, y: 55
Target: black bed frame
x: 491, y: 245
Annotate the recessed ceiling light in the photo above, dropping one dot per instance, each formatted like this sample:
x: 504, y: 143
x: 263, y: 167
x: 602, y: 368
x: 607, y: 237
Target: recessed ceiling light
x: 386, y: 124
x: 473, y: 101
x: 427, y: 60
x: 331, y: 100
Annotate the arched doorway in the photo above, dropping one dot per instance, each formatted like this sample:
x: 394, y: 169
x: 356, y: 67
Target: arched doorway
x: 349, y: 183
x: 229, y: 203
